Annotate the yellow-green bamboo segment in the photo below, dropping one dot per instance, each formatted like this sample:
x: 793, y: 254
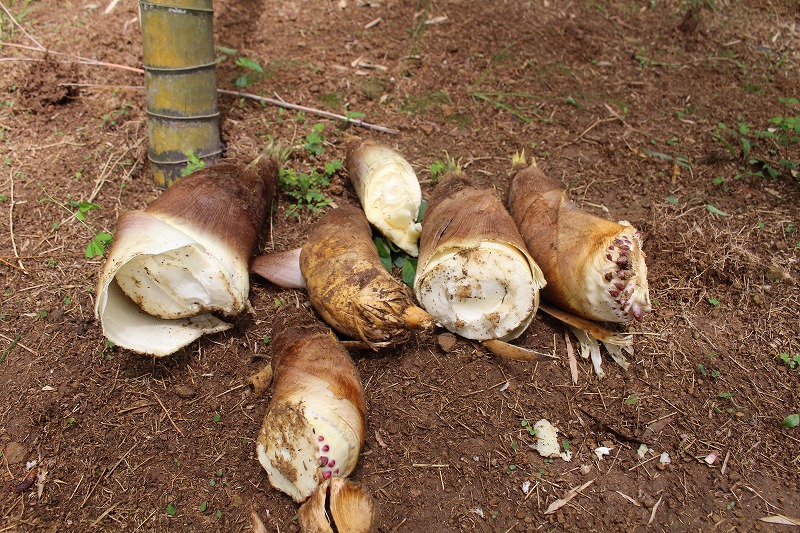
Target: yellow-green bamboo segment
x: 181, y: 85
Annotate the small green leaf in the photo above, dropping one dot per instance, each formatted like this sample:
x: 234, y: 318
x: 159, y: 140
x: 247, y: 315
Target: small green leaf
x: 409, y: 271
x: 571, y: 101
x: 171, y: 509
x: 331, y: 167
x: 266, y: 339
x: 98, y: 245
x: 423, y: 206
x: 713, y: 301
x: 726, y: 395
x: 791, y: 421
x: 702, y: 369
x: 383, y: 253
x: 219, y: 514
x: 659, y: 155
x: 745, y: 148
x: 249, y: 63
x: 355, y: 115
x: 217, y: 417
x: 631, y: 400
x: 225, y: 50
x: 672, y: 200
x: 203, y: 507
x: 714, y: 211
x: 565, y: 445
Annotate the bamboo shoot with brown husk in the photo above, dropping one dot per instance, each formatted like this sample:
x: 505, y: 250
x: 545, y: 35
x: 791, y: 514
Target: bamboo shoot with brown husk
x: 595, y: 268
x: 388, y: 189
x: 474, y: 274
x: 315, y: 423
x: 350, y: 288
x: 184, y: 258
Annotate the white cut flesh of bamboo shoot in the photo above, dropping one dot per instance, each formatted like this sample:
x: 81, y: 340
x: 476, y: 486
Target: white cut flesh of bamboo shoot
x: 389, y: 192
x: 486, y: 292
x: 160, y: 285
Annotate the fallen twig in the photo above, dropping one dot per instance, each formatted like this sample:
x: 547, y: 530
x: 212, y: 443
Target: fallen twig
x: 168, y: 415
x: 74, y: 59
x: 249, y: 96
x: 11, y: 223
x: 780, y: 519
x: 655, y: 508
x: 29, y: 350
x: 311, y: 110
x: 17, y: 24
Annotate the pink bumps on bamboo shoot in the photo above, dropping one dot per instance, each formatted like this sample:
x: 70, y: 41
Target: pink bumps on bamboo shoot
x: 594, y: 268
x: 314, y: 426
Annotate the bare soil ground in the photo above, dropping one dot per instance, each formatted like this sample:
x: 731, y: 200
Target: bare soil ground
x: 621, y: 101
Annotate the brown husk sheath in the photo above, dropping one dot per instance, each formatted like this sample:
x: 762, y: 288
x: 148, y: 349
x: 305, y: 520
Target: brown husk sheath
x: 350, y: 288
x: 183, y: 258
x: 465, y: 212
x: 211, y: 199
x: 339, y: 503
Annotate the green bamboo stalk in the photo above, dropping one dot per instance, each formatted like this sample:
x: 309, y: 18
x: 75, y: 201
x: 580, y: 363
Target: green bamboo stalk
x: 181, y: 85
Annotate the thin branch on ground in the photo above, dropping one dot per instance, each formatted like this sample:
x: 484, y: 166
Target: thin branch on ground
x: 295, y: 107
x: 249, y: 96
x: 11, y: 225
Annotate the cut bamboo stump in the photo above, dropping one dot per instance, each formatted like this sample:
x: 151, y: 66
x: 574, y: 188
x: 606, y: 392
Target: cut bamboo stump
x: 181, y: 85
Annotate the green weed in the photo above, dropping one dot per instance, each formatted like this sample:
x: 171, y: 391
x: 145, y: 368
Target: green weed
x: 314, y: 144
x: 792, y: 361
x: 305, y: 190
x: 392, y: 255
x: 764, y: 151
x: 193, y: 164
x: 250, y: 70
x: 528, y: 427
x: 791, y: 421
x: 115, y: 117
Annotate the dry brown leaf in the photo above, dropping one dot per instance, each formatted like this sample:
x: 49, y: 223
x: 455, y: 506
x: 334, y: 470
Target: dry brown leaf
x: 780, y: 519
x: 573, y: 362
x: 260, y: 381
x: 256, y: 523
x: 561, y: 502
